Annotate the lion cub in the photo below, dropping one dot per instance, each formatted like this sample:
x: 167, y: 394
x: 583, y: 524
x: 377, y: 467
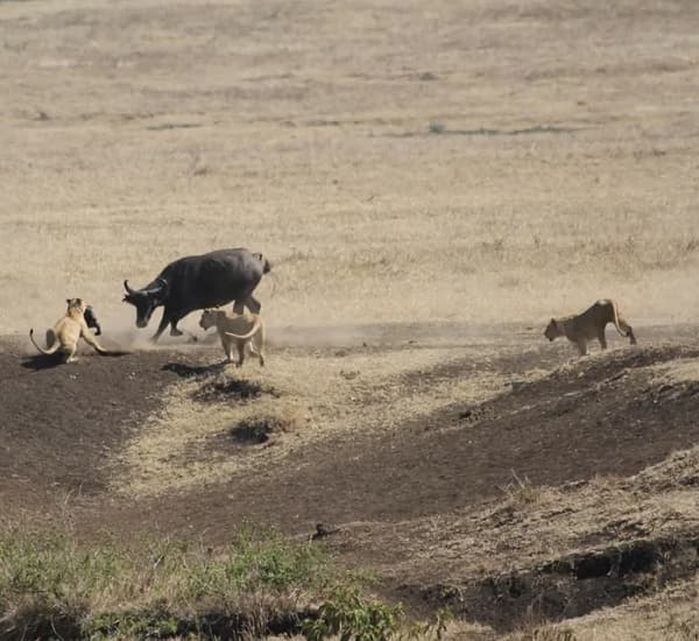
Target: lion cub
x: 581, y: 328
x: 241, y: 329
x: 67, y: 332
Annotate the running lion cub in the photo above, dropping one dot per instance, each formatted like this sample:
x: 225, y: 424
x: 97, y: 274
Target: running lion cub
x: 67, y: 331
x: 241, y: 329
x: 581, y: 328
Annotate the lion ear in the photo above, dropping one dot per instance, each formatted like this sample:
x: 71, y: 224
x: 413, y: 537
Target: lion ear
x: 553, y: 322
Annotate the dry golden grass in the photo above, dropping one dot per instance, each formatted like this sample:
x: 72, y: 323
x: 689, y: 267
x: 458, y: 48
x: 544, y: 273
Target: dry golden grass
x: 473, y: 161
x: 310, y: 398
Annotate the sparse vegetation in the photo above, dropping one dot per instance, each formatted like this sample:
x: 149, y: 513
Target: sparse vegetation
x: 521, y: 492
x: 50, y: 585
x: 155, y: 588
x: 545, y: 632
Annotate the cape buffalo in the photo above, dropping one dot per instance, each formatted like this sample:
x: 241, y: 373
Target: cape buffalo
x: 198, y: 282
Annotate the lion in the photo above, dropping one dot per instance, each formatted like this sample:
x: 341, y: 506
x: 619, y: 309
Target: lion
x: 67, y: 332
x: 581, y: 328
x: 243, y: 329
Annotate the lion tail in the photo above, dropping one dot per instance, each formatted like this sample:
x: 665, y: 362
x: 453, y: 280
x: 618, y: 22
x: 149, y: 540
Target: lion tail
x: 51, y: 350
x: 615, y: 319
x: 255, y: 328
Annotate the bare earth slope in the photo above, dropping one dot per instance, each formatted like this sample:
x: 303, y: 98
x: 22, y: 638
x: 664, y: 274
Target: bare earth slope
x: 480, y: 478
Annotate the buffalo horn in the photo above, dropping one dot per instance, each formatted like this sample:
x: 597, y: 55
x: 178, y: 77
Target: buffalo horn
x: 128, y: 289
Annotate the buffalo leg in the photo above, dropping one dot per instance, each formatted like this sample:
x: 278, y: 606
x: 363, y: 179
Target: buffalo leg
x: 164, y: 322
x: 174, y: 330
x: 176, y: 317
x: 252, y: 304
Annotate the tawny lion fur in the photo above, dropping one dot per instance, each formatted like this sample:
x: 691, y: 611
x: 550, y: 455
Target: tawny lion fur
x: 581, y: 328
x: 67, y: 331
x: 245, y: 330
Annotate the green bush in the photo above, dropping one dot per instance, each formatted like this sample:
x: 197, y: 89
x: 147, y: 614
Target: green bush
x: 347, y: 614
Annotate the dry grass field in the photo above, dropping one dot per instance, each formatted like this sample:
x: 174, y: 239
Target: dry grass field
x: 432, y: 181
x: 398, y: 161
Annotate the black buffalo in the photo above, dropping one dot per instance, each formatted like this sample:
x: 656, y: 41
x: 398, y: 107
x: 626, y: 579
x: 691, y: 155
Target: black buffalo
x: 197, y: 282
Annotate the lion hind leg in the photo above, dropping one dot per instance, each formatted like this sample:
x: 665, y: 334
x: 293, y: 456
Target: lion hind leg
x: 602, y: 338
x: 241, y: 352
x: 257, y: 349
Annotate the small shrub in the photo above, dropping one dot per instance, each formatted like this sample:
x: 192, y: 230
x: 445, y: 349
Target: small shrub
x: 521, y: 491
x: 258, y: 428
x: 353, y: 618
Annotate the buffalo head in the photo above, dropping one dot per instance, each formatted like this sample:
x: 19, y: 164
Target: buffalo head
x: 145, y: 300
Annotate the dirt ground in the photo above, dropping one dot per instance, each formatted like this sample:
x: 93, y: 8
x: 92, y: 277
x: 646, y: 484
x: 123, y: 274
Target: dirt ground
x: 432, y: 182
x: 569, y: 438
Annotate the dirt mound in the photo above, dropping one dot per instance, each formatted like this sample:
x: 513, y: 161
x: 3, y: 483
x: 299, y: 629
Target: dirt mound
x: 573, y: 585
x: 602, y: 415
x: 58, y: 423
x: 607, y: 414
x: 615, y: 414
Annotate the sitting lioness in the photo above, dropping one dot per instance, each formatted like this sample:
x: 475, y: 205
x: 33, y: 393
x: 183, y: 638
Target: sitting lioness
x: 241, y: 329
x: 67, y: 332
x: 589, y: 325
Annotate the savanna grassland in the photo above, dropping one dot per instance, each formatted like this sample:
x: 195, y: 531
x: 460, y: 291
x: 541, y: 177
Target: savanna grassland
x: 432, y: 161
x: 432, y: 181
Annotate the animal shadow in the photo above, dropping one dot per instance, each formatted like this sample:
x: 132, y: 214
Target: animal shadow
x: 193, y: 371
x: 42, y: 361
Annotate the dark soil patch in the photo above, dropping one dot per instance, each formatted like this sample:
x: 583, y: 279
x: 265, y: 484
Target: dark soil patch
x: 223, y: 626
x: 187, y: 370
x: 224, y: 388
x: 257, y: 430
x: 58, y: 423
x: 571, y: 586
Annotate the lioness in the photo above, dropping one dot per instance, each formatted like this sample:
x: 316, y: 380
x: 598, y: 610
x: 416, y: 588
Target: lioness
x: 243, y: 329
x: 67, y: 332
x: 591, y: 324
